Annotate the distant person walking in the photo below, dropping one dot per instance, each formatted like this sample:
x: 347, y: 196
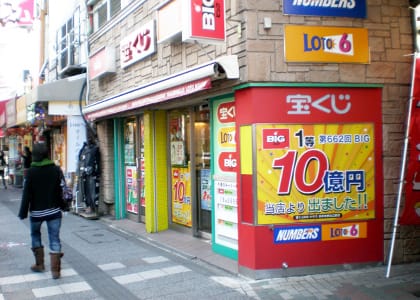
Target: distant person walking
x: 27, y: 160
x: 3, y: 166
x: 42, y: 197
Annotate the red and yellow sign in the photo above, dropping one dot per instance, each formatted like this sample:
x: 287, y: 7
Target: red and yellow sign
x: 181, y: 196
x: 131, y: 189
x: 344, y: 231
x: 326, y: 44
x: 315, y: 172
x: 205, y: 21
x: 411, y: 212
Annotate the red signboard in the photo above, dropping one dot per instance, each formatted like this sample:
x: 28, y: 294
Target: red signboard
x: 172, y: 93
x: 311, y: 161
x: 411, y: 213
x: 226, y: 112
x: 101, y: 63
x: 275, y: 138
x: 228, y: 162
x: 26, y: 13
x: 20, y: 12
x: 206, y: 21
x: 138, y: 45
x: 3, y: 113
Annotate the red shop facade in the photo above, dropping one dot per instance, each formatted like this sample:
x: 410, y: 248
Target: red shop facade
x: 310, y: 182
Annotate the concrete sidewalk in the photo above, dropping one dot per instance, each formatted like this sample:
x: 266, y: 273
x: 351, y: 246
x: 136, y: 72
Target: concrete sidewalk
x: 172, y: 240
x: 359, y: 284
x: 365, y: 283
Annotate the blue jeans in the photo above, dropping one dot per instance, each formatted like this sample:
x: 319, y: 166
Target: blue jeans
x: 53, y: 226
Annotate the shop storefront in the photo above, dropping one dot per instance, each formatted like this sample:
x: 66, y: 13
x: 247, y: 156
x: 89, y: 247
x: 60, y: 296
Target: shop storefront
x: 262, y: 133
x: 185, y: 142
x: 310, y: 177
x: 162, y: 154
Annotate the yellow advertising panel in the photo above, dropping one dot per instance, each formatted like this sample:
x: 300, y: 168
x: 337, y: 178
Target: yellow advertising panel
x: 226, y: 137
x: 315, y: 172
x: 181, y: 196
x: 326, y: 44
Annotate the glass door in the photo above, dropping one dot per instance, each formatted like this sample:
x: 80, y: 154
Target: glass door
x: 134, y: 168
x: 180, y: 154
x: 202, y: 166
x: 189, y: 135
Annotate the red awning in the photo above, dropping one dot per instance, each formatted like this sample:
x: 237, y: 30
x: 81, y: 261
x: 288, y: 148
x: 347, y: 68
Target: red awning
x: 3, y: 113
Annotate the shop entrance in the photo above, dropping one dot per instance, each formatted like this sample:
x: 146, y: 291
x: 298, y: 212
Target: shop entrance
x: 189, y: 134
x: 134, y: 168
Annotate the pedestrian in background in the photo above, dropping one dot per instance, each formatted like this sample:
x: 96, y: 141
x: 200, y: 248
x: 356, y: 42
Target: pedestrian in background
x: 3, y: 166
x: 27, y: 160
x: 42, y: 197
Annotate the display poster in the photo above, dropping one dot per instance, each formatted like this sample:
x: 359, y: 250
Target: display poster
x: 76, y: 137
x: 226, y: 213
x: 225, y: 171
x: 181, y: 196
x: 58, y: 149
x: 131, y: 189
x: 142, y: 182
x: 315, y: 172
x: 13, y: 154
x: 177, y: 152
x: 129, y: 143
x: 411, y: 211
x: 205, y: 189
x: 177, y: 145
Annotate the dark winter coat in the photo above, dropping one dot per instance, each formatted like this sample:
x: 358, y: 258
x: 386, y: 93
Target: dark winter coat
x: 42, y: 193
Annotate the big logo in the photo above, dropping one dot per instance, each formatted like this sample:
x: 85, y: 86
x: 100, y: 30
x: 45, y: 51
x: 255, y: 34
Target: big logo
x: 274, y: 138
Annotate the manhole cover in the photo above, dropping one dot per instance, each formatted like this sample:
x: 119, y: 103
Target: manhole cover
x: 97, y: 236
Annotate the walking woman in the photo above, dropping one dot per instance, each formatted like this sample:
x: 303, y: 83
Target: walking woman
x: 3, y: 166
x: 42, y: 197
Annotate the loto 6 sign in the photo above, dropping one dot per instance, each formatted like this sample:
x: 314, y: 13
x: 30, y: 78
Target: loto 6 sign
x: 326, y: 44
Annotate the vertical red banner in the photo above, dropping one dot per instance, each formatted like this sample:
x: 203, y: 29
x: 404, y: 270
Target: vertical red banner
x: 205, y: 21
x: 411, y: 212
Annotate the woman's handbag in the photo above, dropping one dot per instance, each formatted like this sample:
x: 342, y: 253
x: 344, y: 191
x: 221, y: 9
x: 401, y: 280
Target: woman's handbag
x: 67, y: 194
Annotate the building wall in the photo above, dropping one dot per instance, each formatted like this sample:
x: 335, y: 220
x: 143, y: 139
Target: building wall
x: 261, y: 59
x: 105, y: 133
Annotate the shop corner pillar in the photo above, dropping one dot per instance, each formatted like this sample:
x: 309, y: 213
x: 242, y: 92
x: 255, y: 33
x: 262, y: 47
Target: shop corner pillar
x: 155, y: 152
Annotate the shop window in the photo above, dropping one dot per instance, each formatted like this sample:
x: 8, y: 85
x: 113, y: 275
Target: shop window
x: 103, y: 11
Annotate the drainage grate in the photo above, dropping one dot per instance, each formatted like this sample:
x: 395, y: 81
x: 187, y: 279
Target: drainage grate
x: 98, y: 236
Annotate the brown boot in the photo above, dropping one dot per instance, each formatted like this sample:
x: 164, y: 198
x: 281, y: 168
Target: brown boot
x: 39, y: 260
x: 56, y: 264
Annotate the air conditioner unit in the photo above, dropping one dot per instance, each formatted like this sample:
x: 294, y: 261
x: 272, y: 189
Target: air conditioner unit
x: 66, y: 59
